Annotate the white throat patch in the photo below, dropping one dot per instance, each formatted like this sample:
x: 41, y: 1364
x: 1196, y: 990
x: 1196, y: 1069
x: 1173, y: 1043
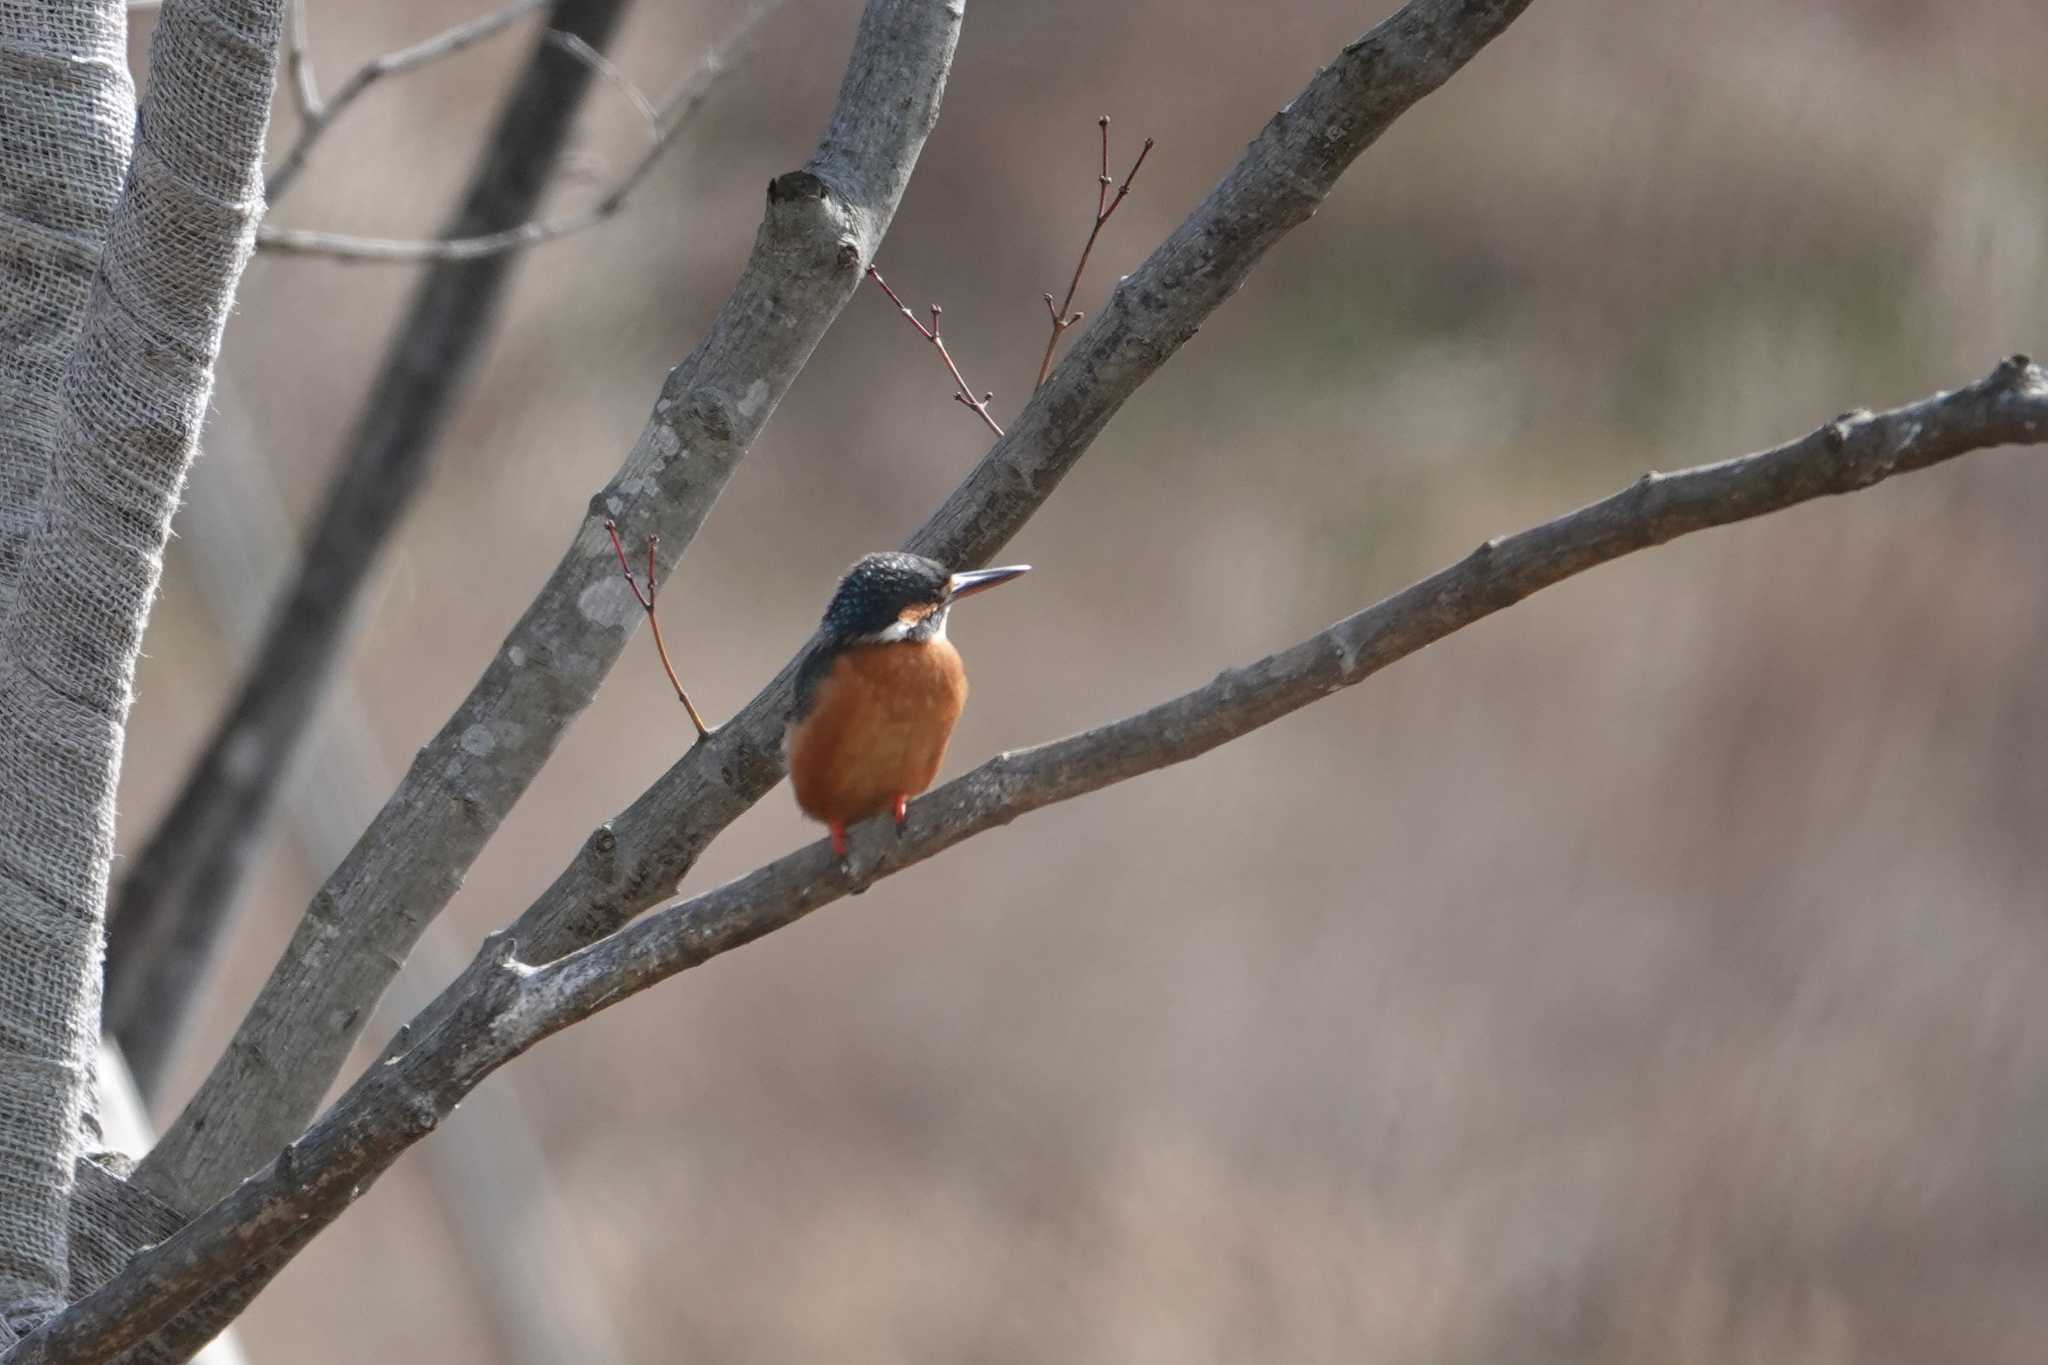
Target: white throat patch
x: 931, y: 627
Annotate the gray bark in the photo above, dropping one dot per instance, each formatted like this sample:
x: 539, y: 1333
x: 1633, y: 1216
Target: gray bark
x: 499, y: 1007
x: 109, y: 1216
x: 178, y: 898
x: 638, y: 857
x: 127, y: 418
x: 821, y: 227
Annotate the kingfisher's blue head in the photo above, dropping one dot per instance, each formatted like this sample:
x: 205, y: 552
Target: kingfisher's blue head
x: 892, y: 596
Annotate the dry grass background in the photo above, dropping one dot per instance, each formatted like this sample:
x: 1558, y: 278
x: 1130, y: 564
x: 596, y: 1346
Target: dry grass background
x: 1653, y: 973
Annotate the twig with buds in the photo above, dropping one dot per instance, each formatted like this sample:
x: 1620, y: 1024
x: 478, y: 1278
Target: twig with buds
x: 964, y: 394
x: 1104, y: 207
x: 646, y: 601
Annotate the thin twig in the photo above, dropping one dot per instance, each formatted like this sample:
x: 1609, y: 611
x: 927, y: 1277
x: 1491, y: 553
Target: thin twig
x: 298, y: 62
x: 610, y: 73
x: 646, y: 601
x: 667, y: 117
x: 964, y: 394
x: 420, y: 251
x: 320, y: 117
x: 1104, y: 207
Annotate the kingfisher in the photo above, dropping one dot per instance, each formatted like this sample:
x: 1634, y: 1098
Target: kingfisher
x: 880, y: 690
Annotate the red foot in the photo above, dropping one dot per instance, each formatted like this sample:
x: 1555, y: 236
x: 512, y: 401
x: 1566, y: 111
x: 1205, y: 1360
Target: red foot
x: 902, y: 810
x: 838, y: 839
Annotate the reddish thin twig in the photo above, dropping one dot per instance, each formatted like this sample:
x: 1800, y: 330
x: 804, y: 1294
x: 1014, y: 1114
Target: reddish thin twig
x: 964, y: 395
x: 646, y: 601
x: 1104, y: 207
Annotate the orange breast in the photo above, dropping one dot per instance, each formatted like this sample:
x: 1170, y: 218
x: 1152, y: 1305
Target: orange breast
x: 877, y: 729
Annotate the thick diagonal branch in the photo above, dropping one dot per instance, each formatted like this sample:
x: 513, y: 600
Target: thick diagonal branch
x: 822, y: 225
x: 636, y: 859
x: 500, y: 1006
x: 173, y: 906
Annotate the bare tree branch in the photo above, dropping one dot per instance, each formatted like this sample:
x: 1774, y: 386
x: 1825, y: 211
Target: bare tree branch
x: 665, y: 120
x: 636, y: 859
x: 822, y: 224
x: 105, y: 1208
x: 178, y: 897
x: 317, y: 117
x: 499, y: 1007
x: 353, y: 250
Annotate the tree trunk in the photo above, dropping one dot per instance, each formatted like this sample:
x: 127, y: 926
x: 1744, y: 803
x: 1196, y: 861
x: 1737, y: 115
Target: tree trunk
x: 119, y: 429
x: 70, y: 112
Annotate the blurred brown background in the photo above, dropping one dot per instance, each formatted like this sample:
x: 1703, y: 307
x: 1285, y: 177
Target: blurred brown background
x: 1653, y: 973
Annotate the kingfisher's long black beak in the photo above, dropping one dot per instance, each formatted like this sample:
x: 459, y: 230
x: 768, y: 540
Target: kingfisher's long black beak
x: 981, y: 580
